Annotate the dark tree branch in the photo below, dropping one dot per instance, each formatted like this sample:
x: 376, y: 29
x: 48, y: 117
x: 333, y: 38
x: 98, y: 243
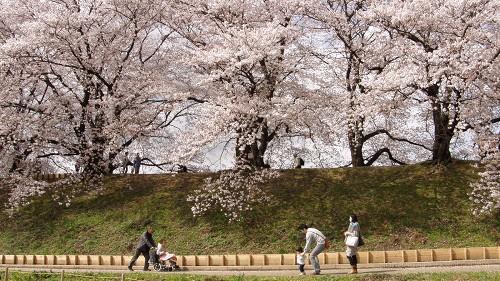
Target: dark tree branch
x: 377, y: 154
x: 56, y: 154
x: 383, y: 131
x: 197, y: 100
x: 153, y: 164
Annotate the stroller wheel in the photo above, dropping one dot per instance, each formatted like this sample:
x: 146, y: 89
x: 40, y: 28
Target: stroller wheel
x: 157, y: 267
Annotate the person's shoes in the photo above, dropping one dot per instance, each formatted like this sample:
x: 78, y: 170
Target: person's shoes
x: 354, y: 270
x: 146, y: 269
x: 302, y: 273
x: 317, y: 273
x: 130, y: 268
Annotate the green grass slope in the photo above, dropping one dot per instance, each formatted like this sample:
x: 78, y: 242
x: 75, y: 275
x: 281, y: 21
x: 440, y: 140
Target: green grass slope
x: 404, y: 207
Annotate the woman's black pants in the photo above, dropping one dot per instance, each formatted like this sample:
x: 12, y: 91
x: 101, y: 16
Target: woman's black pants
x: 353, y: 260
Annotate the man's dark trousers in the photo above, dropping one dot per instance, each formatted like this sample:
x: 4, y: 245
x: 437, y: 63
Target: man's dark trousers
x: 138, y: 252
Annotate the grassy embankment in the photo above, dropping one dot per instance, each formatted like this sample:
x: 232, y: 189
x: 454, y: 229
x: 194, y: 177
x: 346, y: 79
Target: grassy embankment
x: 407, y: 207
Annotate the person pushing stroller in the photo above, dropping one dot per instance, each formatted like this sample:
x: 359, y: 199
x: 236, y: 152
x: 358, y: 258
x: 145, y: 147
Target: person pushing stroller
x: 145, y: 243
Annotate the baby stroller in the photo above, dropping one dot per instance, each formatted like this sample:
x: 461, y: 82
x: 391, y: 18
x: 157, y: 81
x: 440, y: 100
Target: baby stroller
x: 159, y: 265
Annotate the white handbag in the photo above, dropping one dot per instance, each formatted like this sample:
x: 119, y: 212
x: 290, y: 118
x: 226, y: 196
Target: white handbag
x: 352, y: 241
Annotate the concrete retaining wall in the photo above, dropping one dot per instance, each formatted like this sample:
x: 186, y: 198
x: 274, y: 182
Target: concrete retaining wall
x: 370, y: 257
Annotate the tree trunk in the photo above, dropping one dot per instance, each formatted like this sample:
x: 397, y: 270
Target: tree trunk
x: 442, y: 137
x: 355, y: 146
x: 98, y: 163
x: 19, y: 161
x: 355, y: 123
x: 442, y: 133
x: 252, y: 154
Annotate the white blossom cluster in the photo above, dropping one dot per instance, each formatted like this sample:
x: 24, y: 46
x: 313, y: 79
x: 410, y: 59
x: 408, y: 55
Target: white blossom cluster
x: 486, y: 191
x: 21, y: 189
x: 233, y: 193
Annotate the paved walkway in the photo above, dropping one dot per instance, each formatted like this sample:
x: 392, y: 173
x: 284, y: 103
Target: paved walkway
x: 474, y: 268
x: 399, y: 270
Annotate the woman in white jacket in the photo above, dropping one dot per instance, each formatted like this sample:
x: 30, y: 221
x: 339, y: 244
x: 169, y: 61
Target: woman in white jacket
x: 351, y: 251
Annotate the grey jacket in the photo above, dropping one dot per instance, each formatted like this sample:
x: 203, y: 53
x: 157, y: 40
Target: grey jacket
x: 313, y: 235
x: 146, y: 242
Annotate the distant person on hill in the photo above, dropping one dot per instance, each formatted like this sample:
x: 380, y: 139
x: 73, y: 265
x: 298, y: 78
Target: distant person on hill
x: 146, y: 242
x: 181, y: 168
x: 300, y: 260
x: 298, y: 162
x: 77, y: 166
x: 125, y: 163
x: 137, y: 163
x: 353, y: 241
x: 313, y: 236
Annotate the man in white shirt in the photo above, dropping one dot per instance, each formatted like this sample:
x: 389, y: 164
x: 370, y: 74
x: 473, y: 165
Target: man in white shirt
x: 313, y: 236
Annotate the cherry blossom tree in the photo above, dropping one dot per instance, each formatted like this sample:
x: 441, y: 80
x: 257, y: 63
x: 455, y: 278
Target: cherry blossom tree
x: 355, y: 53
x: 100, y: 76
x: 246, y: 59
x: 82, y: 82
x: 448, y: 52
x: 439, y: 46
